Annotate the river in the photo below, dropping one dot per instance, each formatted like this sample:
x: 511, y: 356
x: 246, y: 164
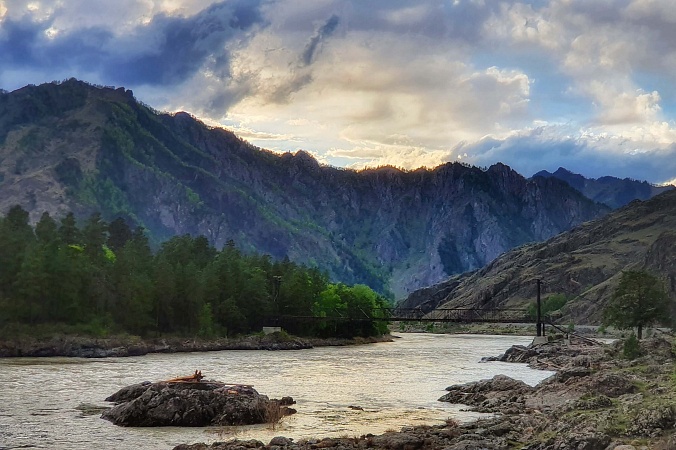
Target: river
x: 396, y: 383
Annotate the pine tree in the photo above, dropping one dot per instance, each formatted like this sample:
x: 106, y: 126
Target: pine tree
x: 15, y: 236
x: 638, y: 301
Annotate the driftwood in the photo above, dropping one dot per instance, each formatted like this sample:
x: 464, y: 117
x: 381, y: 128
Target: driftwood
x: 197, y: 378
x: 194, y: 378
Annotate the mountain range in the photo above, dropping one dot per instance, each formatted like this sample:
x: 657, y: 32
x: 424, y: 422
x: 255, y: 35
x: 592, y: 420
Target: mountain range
x: 71, y: 146
x: 610, y: 191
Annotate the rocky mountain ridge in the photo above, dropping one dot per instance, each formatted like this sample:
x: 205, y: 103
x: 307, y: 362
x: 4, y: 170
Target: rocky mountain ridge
x: 611, y: 191
x: 584, y: 264
x: 73, y: 146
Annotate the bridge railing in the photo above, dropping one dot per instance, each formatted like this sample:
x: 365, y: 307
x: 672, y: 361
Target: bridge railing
x: 464, y: 315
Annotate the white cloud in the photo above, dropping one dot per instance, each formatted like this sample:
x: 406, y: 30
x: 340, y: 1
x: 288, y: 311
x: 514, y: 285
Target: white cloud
x: 363, y: 94
x: 649, y: 9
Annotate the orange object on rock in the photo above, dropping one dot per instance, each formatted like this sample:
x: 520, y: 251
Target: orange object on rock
x: 196, y: 377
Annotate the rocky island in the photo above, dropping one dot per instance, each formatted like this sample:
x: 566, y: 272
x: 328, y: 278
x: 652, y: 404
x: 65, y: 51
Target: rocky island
x: 191, y: 402
x: 598, y: 400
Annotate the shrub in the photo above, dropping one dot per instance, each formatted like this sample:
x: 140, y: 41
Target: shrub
x: 631, y: 349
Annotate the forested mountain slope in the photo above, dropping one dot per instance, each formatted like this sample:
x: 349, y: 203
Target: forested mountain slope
x: 583, y: 265
x: 75, y: 147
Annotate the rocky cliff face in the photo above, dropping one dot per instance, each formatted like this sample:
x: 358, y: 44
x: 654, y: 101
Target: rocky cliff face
x: 584, y: 264
x: 72, y: 146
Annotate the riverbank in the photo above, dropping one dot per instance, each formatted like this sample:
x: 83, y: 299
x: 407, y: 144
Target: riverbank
x: 597, y: 400
x: 122, y: 346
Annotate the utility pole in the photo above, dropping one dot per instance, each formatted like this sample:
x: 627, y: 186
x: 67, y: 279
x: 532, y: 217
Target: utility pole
x: 540, y: 325
x: 276, y: 285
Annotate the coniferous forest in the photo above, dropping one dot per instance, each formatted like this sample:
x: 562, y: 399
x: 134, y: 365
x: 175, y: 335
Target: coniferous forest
x: 101, y: 278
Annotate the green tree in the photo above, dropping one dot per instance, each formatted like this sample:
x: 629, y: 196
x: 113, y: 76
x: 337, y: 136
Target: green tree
x: 99, y: 295
x: 638, y: 301
x: 15, y: 236
x: 46, y: 230
x: 164, y: 295
x: 69, y: 232
x: 206, y: 321
x: 131, y: 278
x: 67, y: 286
x: 48, y: 247
x: 549, y: 305
x: 31, y: 286
x: 631, y: 349
x: 118, y: 234
x: 94, y: 236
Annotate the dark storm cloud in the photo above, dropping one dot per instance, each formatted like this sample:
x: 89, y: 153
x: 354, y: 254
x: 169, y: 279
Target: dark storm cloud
x: 16, y: 42
x: 166, y: 51
x: 322, y: 33
x: 301, y: 76
x: 184, y: 44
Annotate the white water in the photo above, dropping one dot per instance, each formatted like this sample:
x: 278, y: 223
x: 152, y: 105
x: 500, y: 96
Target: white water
x: 397, y: 384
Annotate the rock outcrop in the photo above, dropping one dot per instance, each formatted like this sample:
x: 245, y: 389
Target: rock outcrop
x: 501, y: 393
x: 193, y: 404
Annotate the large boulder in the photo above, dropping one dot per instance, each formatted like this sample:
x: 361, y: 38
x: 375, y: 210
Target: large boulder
x: 194, y: 404
x: 499, y: 394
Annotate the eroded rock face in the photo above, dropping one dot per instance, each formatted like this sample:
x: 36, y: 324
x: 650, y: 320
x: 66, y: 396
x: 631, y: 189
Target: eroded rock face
x: 193, y: 405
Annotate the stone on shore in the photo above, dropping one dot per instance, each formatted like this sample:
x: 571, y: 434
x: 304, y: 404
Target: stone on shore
x: 194, y: 404
x: 499, y: 394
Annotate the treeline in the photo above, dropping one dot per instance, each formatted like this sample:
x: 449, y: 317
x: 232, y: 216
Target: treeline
x: 104, y: 278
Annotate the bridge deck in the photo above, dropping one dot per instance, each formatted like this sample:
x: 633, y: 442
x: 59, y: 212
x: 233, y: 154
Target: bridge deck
x: 465, y: 315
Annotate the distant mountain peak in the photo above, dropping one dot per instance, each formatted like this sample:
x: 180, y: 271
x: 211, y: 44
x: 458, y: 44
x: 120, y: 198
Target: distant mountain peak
x: 611, y: 191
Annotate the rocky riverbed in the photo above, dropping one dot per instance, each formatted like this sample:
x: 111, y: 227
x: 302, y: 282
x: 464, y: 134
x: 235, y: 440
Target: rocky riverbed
x: 120, y: 346
x: 597, y: 400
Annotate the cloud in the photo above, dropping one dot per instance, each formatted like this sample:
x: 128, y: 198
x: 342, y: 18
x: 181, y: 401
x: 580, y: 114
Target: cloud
x: 166, y: 50
x: 535, y: 84
x: 300, y: 74
x: 378, y: 155
x: 607, y: 50
x: 593, y: 155
x: 324, y: 32
x: 180, y: 47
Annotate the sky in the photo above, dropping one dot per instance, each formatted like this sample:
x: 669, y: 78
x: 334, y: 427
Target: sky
x: 588, y: 85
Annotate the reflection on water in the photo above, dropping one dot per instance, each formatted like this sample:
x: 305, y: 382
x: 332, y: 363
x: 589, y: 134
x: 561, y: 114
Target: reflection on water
x: 52, y: 402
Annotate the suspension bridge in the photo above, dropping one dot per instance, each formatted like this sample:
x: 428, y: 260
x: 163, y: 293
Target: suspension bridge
x: 440, y: 315
x: 457, y: 315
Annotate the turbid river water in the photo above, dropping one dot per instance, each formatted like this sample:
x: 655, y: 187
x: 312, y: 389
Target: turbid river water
x: 396, y: 383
